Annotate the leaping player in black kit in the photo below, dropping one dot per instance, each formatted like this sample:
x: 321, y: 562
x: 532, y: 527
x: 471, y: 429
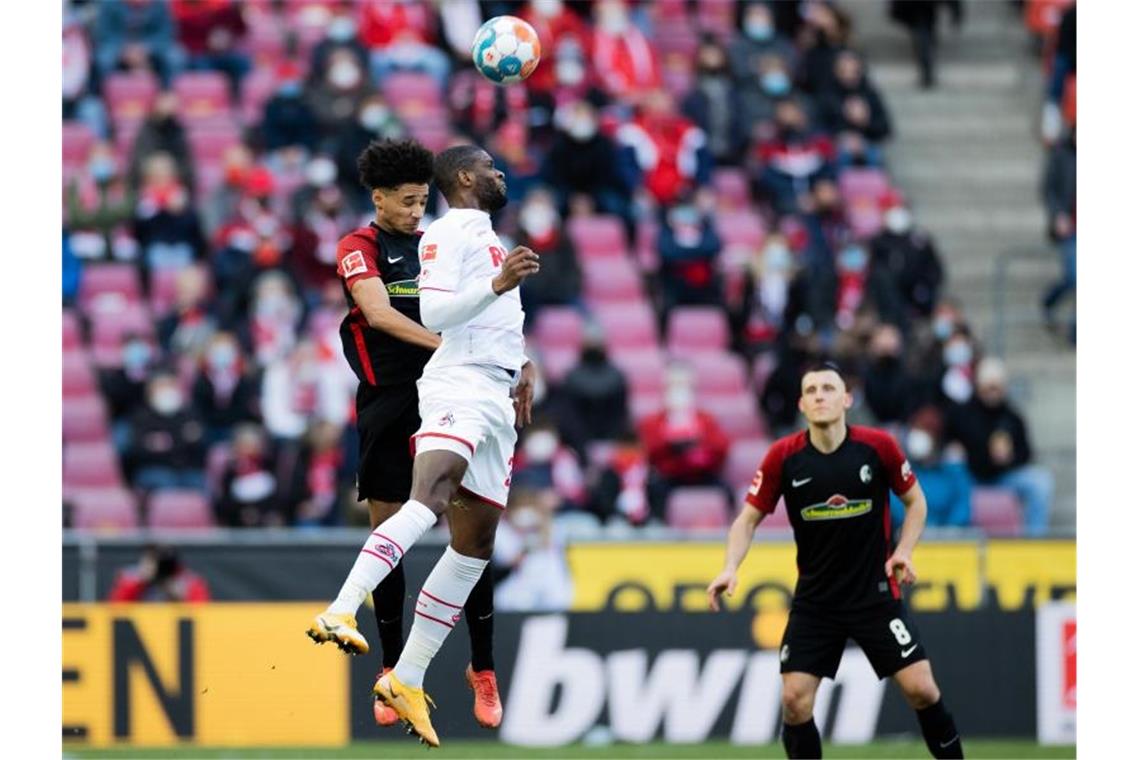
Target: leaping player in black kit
x: 834, y: 479
x: 387, y: 347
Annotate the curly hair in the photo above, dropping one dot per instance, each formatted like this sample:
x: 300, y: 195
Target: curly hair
x: 391, y: 163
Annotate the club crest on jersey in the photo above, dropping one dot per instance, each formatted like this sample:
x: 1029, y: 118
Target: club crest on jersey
x: 430, y: 251
x: 446, y: 420
x: 353, y: 264
x: 865, y: 473
x: 838, y: 507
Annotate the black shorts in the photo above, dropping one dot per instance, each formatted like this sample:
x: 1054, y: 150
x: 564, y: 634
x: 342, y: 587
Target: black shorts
x: 814, y: 641
x: 386, y: 419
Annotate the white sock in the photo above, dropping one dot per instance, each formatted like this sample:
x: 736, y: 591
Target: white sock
x: 382, y: 551
x: 437, y: 611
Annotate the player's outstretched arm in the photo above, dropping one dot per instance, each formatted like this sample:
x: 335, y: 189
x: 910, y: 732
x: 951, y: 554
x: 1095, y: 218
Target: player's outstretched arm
x: 899, y: 563
x: 370, y: 295
x: 739, y: 539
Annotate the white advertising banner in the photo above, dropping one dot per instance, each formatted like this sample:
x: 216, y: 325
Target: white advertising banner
x: 1057, y: 673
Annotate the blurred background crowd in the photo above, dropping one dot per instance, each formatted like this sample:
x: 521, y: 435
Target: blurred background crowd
x: 706, y: 183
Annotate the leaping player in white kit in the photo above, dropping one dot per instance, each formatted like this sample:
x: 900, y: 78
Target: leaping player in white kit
x: 466, y: 441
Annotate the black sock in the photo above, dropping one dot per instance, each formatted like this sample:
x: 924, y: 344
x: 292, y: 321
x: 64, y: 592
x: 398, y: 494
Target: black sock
x: 480, y: 613
x: 802, y: 740
x: 939, y: 731
x: 388, y: 604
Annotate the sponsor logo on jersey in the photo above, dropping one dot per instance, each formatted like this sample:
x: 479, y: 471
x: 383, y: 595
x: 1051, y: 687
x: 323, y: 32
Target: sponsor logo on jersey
x: 353, y: 264
x: 403, y: 289
x: 430, y: 251
x: 838, y: 507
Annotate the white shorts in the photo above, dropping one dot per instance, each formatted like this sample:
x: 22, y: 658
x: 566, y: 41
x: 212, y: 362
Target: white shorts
x: 468, y: 410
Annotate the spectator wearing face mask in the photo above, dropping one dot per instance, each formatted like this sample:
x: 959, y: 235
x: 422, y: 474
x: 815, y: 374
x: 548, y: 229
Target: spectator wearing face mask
x: 997, y: 445
x: 166, y: 223
x: 758, y: 39
x: 685, y: 444
x: 852, y: 110
x: 224, y: 392
x: 99, y: 208
x: 321, y: 215
x: 622, y: 491
x: 623, y: 57
x: 544, y: 463
x: 593, y: 399
x: 275, y: 317
x: 296, y: 392
x: 710, y: 104
x: 556, y: 25
x: 792, y: 160
x: 825, y: 31
x: 289, y: 121
x: 863, y: 288
x: 887, y: 386
x: 159, y: 576
x: 124, y: 387
x: 757, y: 95
x: 764, y: 300
x: 212, y: 32
x: 188, y: 327
x: 906, y: 254
x: 530, y: 556
x: 249, y: 490
x: 165, y: 442
x: 688, y: 245
x: 162, y: 132
x: 559, y: 282
x: 222, y: 204
x: 671, y: 152
x: 137, y: 35
x: 955, y: 379
x: 341, y: 33
x: 946, y: 481
x: 402, y: 36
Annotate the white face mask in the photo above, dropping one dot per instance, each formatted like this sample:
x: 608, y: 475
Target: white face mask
x: 777, y: 258
x: 538, y: 219
x: 613, y: 20
x: 897, y: 220
x: 344, y: 75
x: 166, y: 400
x: 919, y: 444
x: 321, y: 172
x: 957, y: 353
x: 679, y: 398
x: 540, y: 446
x: 547, y: 8
x: 581, y: 128
x: 569, y: 71
x: 373, y: 117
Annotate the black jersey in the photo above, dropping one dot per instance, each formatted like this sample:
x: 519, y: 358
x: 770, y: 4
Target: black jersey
x: 838, y: 506
x: 376, y: 357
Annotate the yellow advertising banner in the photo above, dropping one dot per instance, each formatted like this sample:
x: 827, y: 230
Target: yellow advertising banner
x: 953, y: 574
x: 219, y: 675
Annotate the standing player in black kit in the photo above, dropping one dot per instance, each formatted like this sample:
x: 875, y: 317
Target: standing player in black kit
x: 834, y: 480
x: 387, y: 348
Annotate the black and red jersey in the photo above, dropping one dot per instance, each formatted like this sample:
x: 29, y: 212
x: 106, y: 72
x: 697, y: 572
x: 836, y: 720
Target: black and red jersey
x: 839, y: 510
x: 376, y: 357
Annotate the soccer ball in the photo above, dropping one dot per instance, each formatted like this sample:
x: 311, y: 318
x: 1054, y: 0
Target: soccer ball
x: 506, y: 50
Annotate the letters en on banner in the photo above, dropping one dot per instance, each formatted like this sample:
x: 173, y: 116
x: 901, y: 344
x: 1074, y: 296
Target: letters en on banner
x: 1057, y: 673
x: 952, y: 575
x: 220, y: 675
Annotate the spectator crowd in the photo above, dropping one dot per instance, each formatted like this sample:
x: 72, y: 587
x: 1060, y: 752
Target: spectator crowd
x: 705, y: 181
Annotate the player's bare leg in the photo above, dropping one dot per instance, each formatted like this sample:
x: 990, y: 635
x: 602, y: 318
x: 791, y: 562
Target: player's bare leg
x: 922, y: 694
x: 800, y: 735
x: 388, y: 606
x: 475, y: 523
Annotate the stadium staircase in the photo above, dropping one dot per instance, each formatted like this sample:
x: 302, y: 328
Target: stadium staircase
x: 966, y: 154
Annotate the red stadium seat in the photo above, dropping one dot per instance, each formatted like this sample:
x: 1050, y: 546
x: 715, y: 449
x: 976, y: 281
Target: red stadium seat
x: 736, y: 414
x: 597, y: 236
x: 209, y: 142
x: 78, y: 379
x: 697, y: 328
x: 109, y: 508
x: 644, y: 369
x: 90, y: 465
x: 179, y: 509
x: 77, y: 141
x: 434, y: 137
x: 864, y: 217
x: 731, y: 187
x: 643, y: 404
x: 645, y: 246
x: 697, y: 507
x: 863, y: 183
x: 558, y: 327
x: 130, y: 95
x: 72, y: 331
x: 85, y: 419
x: 740, y: 228
x: 109, y: 328
x: 625, y: 326
x: 256, y: 90
x: 996, y: 511
x: 762, y: 368
x: 744, y: 458
x: 717, y: 17
x: 611, y: 280
x: 718, y: 373
x: 202, y: 95
x: 108, y: 287
x: 412, y: 91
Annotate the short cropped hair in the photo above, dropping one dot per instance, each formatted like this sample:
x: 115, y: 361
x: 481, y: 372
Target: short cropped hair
x: 390, y: 163
x: 824, y: 365
x: 450, y: 162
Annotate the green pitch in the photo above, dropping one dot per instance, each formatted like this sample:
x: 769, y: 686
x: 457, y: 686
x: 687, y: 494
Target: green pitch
x: 487, y: 749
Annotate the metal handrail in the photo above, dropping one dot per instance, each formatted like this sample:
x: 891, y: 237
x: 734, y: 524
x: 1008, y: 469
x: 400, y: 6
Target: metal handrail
x: 999, y: 287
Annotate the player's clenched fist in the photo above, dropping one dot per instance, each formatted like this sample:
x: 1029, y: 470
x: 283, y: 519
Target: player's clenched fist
x: 519, y: 264
x: 725, y: 583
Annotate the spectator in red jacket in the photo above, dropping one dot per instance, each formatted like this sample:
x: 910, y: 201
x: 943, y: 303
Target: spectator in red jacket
x: 790, y: 163
x: 159, y: 576
x: 555, y: 25
x: 402, y: 36
x: 623, y: 57
x: 211, y: 32
x: 671, y: 151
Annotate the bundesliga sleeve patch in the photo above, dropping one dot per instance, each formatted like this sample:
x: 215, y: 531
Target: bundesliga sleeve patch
x: 757, y: 481
x: 353, y: 264
x: 429, y: 252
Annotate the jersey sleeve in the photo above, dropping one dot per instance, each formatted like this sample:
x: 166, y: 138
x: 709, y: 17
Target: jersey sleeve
x: 445, y: 299
x: 764, y: 493
x: 441, y: 259
x: 355, y: 259
x: 899, y: 473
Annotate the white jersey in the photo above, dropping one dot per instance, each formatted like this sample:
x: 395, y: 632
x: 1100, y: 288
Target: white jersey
x: 459, y: 257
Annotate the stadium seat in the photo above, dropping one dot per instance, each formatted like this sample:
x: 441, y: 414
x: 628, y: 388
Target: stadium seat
x: 645, y: 246
x: 864, y: 217
x: 558, y: 361
x: 731, y: 187
x: 643, y: 404
x: 717, y: 17
x: 209, y: 142
x: 740, y: 228
x: 762, y: 368
x: 736, y: 414
x: 611, y: 280
x: 90, y: 465
x: 72, y: 331
x: 109, y: 328
x: 996, y: 511
x: 644, y: 369
x: 697, y: 328
x: 413, y: 91
x: 85, y: 419
x: 696, y: 508
x: 164, y: 287
x: 626, y: 326
x: 179, y: 508
x: 863, y: 183
x: 108, y: 287
x: 78, y: 379
x: 109, y: 508
x: 558, y: 327
x: 434, y: 137
x: 597, y: 236
x: 256, y: 90
x: 718, y: 373
x: 265, y: 42
x: 77, y: 141
x: 677, y: 74
x: 130, y: 95
x: 744, y: 457
x: 202, y: 95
